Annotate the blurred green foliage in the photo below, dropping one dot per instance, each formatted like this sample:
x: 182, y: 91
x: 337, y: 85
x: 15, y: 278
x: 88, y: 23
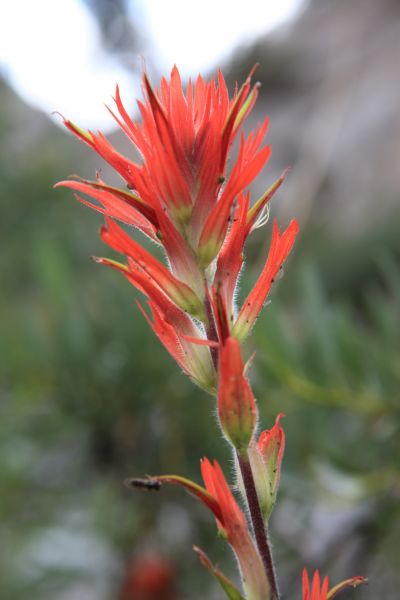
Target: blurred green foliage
x: 88, y: 398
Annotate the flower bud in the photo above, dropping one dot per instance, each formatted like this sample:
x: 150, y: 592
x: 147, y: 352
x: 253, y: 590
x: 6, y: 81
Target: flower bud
x: 266, y: 458
x: 236, y: 405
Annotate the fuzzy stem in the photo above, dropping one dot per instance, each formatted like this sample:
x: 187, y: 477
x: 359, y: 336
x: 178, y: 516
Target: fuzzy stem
x: 259, y: 528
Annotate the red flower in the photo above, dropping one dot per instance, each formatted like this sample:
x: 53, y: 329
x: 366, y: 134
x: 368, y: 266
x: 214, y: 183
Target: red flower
x: 317, y: 591
x: 149, y: 578
x: 184, y: 141
x: 233, y: 525
x: 231, y: 522
x: 183, y: 197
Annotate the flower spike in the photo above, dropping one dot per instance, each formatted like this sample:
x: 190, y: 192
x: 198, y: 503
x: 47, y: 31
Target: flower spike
x: 192, y: 201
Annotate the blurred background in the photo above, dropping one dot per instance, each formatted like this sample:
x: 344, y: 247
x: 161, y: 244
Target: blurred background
x: 87, y: 395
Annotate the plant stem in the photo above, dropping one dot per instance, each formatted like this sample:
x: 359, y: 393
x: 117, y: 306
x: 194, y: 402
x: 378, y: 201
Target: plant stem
x: 259, y: 528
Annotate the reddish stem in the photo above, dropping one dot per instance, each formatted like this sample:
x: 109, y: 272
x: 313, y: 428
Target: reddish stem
x: 259, y: 528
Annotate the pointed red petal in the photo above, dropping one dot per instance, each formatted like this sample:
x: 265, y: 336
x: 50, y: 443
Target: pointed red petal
x: 316, y: 588
x: 179, y: 292
x: 115, y: 203
x: 258, y: 206
x: 125, y: 167
x: 80, y: 133
x: 230, y: 259
x: 306, y: 585
x: 232, y: 119
x: 281, y: 245
x: 249, y: 163
x: 167, y: 336
x: 180, y: 193
x: 201, y: 493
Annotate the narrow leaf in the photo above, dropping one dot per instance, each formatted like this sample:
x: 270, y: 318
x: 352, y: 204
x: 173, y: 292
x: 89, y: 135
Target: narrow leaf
x: 229, y: 588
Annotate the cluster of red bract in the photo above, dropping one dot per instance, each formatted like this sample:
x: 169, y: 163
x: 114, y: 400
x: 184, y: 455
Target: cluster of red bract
x: 183, y: 196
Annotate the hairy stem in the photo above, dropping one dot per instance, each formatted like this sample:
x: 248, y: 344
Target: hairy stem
x: 260, y: 530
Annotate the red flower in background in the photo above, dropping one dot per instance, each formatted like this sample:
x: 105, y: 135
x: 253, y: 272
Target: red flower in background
x: 149, y: 578
x: 231, y: 521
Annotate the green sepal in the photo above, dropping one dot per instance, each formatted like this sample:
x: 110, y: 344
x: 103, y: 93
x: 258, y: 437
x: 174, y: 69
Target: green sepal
x: 352, y: 582
x: 229, y: 588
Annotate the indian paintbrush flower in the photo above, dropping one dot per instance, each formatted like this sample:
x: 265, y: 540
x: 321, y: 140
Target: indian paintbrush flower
x: 185, y: 199
x: 230, y: 519
x: 319, y: 590
x: 183, y: 196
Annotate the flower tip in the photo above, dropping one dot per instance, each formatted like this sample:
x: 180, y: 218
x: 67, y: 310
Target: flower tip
x: 205, y: 561
x: 294, y: 227
x: 252, y: 71
x: 237, y: 409
x: 66, y: 182
x: 57, y: 112
x: 352, y: 582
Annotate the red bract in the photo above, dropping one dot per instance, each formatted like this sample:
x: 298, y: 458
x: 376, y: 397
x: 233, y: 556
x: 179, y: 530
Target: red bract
x: 281, y: 245
x: 317, y: 591
x: 184, y: 141
x: 271, y: 445
x: 231, y: 523
x: 265, y: 457
x: 183, y: 197
x: 236, y: 405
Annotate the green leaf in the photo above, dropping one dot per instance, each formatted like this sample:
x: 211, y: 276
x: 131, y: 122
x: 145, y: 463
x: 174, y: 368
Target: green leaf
x: 229, y: 588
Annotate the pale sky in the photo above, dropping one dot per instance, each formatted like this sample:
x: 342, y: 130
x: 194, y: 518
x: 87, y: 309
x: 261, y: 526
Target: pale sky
x: 50, y: 50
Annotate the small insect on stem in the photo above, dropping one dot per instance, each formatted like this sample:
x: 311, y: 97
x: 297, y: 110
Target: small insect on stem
x: 147, y: 484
